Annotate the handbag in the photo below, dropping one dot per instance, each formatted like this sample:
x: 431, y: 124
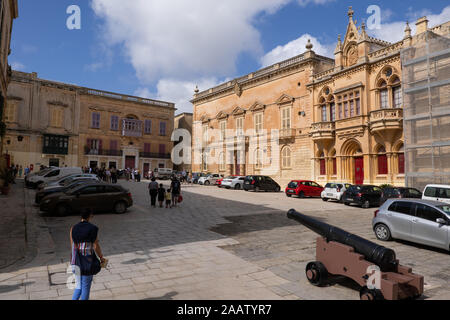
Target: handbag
x: 89, y: 265
x: 180, y: 198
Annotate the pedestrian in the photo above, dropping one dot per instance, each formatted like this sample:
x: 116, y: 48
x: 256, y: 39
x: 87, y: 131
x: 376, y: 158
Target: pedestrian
x: 153, y: 190
x: 20, y: 171
x: 87, y: 256
x: 161, y: 194
x: 175, y: 186
x: 168, y: 199
x: 27, y: 171
x: 108, y: 175
x: 132, y: 175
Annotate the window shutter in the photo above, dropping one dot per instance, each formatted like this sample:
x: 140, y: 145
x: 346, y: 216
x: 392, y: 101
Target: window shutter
x: 401, y: 163
x: 382, y: 164
x: 334, y: 166
x: 100, y: 145
x: 323, y: 170
x: 162, y: 149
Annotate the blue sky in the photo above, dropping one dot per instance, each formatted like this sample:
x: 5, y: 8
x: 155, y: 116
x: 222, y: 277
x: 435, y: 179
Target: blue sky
x: 162, y: 48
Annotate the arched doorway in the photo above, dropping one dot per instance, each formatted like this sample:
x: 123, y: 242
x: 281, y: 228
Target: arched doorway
x: 353, y: 162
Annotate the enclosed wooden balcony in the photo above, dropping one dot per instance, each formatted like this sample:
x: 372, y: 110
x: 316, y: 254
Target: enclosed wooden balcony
x: 323, y: 131
x: 386, y: 119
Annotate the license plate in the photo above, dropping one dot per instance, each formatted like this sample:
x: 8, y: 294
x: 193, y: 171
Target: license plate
x: 291, y: 191
x: 329, y: 194
x: 246, y: 182
x: 348, y: 199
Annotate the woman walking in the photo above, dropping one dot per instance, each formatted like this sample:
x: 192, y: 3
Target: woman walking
x: 153, y: 190
x: 85, y: 254
x: 161, y: 195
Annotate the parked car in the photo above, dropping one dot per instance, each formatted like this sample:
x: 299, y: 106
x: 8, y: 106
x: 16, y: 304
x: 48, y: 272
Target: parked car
x: 394, y: 192
x: 303, y: 188
x: 196, y: 176
x: 334, y: 191
x: 261, y: 183
x: 437, y: 192
x: 163, y: 173
x: 41, y: 194
x: 219, y: 182
x: 420, y: 221
x: 38, y: 173
x: 67, y: 179
x: 233, y: 182
x: 363, y: 195
x: 53, y: 174
x: 97, y: 196
x: 209, y: 179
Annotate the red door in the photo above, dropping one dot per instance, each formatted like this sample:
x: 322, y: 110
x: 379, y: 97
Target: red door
x: 130, y: 162
x: 359, y: 170
x: 146, y: 169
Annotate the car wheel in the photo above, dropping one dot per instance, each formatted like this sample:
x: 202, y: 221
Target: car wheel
x: 347, y: 203
x: 61, y: 210
x: 366, y: 204
x: 288, y: 195
x: 382, y: 232
x: 325, y: 199
x: 120, y: 207
x: 237, y: 186
x: 207, y: 183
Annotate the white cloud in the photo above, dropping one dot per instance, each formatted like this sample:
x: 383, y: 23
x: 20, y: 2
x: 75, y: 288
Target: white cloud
x: 177, y: 91
x: 394, y: 31
x: 15, y: 65
x: 304, y: 3
x: 295, y: 48
x: 183, y: 39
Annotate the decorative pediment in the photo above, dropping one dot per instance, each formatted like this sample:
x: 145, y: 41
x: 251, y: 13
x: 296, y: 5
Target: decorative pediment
x: 204, y: 119
x: 285, y: 99
x: 238, y: 111
x: 257, y: 106
x: 58, y: 103
x: 222, y: 115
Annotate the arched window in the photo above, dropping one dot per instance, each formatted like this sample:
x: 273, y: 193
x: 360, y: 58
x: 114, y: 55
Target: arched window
x: 382, y: 161
x: 384, y: 97
x: 401, y: 161
x: 397, y: 96
x: 327, y: 108
x: 323, y: 166
x: 286, y: 157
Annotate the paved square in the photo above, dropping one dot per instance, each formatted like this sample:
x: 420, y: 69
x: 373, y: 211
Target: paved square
x: 219, y: 244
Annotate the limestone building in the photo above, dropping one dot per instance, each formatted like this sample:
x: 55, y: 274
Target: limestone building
x: 337, y: 119
x: 183, y: 121
x: 9, y: 11
x: 57, y: 124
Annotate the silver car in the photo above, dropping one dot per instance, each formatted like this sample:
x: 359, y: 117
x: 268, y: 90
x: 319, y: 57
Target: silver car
x: 422, y: 221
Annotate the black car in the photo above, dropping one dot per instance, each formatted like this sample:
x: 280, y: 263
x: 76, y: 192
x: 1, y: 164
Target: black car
x: 363, y: 195
x: 401, y: 192
x: 260, y: 183
x: 48, y: 191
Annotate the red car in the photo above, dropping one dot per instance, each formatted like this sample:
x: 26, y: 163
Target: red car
x: 303, y: 188
x: 219, y: 181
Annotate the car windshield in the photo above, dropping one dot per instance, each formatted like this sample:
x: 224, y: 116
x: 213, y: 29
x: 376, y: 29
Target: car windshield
x: 229, y: 177
x: 44, y: 172
x: 331, y: 185
x: 445, y: 208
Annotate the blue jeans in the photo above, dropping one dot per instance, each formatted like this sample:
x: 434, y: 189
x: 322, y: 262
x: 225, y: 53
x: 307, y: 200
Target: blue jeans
x: 83, y: 288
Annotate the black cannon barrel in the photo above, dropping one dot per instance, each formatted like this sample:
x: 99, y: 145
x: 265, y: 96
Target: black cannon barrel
x: 379, y: 255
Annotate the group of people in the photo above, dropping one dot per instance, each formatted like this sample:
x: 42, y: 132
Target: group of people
x: 110, y: 175
x: 133, y: 175
x: 171, y: 196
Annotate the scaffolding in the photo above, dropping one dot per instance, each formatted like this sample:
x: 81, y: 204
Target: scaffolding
x: 426, y: 90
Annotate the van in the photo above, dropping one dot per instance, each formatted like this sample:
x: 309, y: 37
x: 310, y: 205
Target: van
x: 163, y: 173
x: 53, y: 174
x: 437, y: 192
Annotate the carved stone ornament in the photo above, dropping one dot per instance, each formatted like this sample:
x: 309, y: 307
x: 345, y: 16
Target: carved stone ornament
x: 237, y: 89
x: 352, y: 56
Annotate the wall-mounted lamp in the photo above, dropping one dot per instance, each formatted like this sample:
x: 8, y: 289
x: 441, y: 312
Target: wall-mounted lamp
x: 302, y: 113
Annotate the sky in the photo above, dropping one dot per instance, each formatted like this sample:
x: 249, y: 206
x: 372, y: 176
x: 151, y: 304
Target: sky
x: 162, y: 49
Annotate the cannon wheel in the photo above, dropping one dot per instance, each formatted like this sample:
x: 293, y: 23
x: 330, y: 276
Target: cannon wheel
x: 370, y: 294
x: 316, y: 273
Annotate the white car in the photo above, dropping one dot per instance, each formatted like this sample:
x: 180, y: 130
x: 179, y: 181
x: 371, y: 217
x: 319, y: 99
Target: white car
x: 63, y: 180
x: 334, y: 191
x: 233, y: 182
x: 210, y: 179
x: 437, y: 192
x: 51, y: 175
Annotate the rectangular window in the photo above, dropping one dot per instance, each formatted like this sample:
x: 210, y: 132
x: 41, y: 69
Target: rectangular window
x: 95, y: 120
x: 334, y: 166
x: 382, y: 164
x: 113, y: 145
x: 352, y: 108
x: 162, y: 149
x: 147, y: 147
x: 384, y: 101
x: 345, y: 110
x: 10, y: 112
x: 223, y: 128
x: 56, y: 117
x: 114, y: 123
x: 358, y: 106
x: 259, y: 123
x: 286, y: 118
x: 56, y: 145
x: 205, y: 134
x: 240, y: 127
x: 340, y: 110
x: 398, y: 99
x: 401, y: 163
x: 148, y: 126
x: 162, y: 128
x: 323, y: 170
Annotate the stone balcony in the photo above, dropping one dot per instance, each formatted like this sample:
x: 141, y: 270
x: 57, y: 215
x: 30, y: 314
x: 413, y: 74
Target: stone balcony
x: 386, y: 119
x: 287, y: 134
x: 323, y: 131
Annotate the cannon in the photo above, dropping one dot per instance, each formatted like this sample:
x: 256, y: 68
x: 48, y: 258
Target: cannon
x: 375, y: 268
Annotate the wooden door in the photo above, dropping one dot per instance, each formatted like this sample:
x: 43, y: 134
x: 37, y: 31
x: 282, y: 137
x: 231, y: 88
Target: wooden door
x: 359, y: 170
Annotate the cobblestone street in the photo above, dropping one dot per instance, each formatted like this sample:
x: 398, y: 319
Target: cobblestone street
x: 219, y: 244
